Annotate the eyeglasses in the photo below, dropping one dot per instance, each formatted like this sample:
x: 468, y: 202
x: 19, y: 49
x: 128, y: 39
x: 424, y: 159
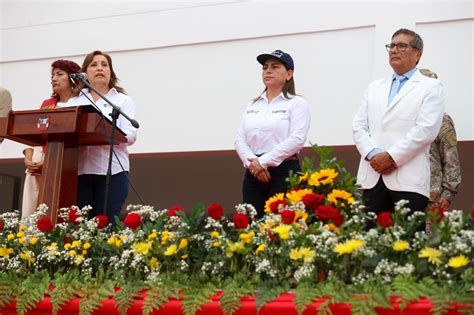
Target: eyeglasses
x: 401, y: 47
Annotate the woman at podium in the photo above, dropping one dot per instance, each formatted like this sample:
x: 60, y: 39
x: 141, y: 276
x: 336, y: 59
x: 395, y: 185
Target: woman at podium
x: 63, y: 91
x: 93, y: 160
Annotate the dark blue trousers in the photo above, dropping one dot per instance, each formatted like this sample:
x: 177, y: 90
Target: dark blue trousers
x: 91, y: 191
x: 257, y: 193
x: 380, y: 198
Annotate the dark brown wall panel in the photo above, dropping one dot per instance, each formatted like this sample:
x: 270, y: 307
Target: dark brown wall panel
x: 187, y: 178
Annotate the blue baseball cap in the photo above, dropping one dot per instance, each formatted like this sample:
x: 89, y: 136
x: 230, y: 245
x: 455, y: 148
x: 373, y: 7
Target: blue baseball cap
x: 280, y: 55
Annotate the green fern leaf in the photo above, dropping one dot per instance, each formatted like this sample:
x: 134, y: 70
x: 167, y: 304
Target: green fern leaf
x: 31, y: 291
x: 360, y: 305
x: 305, y: 295
x: 9, y: 284
x: 233, y: 291
x: 196, y: 296
x: 92, y: 295
x: 268, y: 292
x: 127, y: 295
x: 66, y: 287
x: 157, y: 296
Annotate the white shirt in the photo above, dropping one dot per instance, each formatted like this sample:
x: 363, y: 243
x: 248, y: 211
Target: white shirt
x: 94, y: 159
x: 274, y: 131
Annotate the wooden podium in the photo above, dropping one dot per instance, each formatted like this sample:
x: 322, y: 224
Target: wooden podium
x: 63, y: 131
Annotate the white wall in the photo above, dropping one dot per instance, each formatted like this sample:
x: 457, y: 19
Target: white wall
x: 190, y: 65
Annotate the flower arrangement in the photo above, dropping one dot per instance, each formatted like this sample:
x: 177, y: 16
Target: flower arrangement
x: 313, y: 240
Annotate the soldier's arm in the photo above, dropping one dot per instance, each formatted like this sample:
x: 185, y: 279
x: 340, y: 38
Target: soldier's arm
x: 449, y: 160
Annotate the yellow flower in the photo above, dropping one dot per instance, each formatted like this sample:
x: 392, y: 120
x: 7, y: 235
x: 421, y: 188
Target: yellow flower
x: 283, y: 231
x: 171, y: 250
x: 299, y: 214
x: 152, y: 236
x: 153, y: 263
x: 305, y: 253
x: 216, y: 244
x: 308, y: 254
x: 260, y: 248
x: 72, y: 252
x: 215, y: 234
x: 67, y: 245
x: 78, y: 260
x: 84, y: 252
x: 237, y: 247
x: 28, y: 256
x: 10, y: 237
x: 276, y: 197
x: 20, y: 234
x: 118, y: 243
x: 348, y: 246
x: 166, y: 236
x: 266, y: 226
x: 295, y: 254
x: 76, y: 244
x: 87, y: 245
x: 122, y: 237
x: 23, y: 228
x: 22, y: 240
x: 323, y: 177
x: 53, y: 247
x: 458, y: 261
x: 110, y: 241
x: 400, y: 246
x: 333, y: 228
x: 142, y: 247
x: 34, y: 240
x: 296, y: 195
x: 432, y: 254
x: 184, y: 256
x: 183, y: 243
x: 303, y: 178
x: 5, y: 252
x: 340, y: 197
x: 247, y: 237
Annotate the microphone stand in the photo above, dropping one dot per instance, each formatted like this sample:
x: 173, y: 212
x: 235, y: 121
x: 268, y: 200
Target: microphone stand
x: 116, y: 112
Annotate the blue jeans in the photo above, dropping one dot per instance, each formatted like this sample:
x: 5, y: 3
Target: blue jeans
x: 91, y: 191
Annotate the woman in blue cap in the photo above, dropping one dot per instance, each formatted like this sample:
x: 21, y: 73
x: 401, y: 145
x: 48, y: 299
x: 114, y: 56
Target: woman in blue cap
x: 272, y: 132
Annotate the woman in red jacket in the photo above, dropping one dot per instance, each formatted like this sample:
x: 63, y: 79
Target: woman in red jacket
x: 63, y: 90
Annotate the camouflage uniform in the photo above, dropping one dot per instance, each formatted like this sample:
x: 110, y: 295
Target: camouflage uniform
x: 445, y: 167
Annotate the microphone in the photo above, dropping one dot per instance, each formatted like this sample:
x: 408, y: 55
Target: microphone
x: 82, y: 76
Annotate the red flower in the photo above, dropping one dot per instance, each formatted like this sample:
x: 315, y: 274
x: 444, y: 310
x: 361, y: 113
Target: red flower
x: 326, y: 213
x: 73, y: 215
x: 215, y: 211
x: 312, y: 201
x: 384, y: 219
x: 172, y: 212
x: 44, y: 224
x: 276, y: 204
x: 472, y: 213
x: 132, y: 220
x: 436, y: 213
x: 338, y: 218
x: 2, y: 224
x: 270, y: 236
x: 241, y: 221
x: 102, y: 221
x: 288, y: 216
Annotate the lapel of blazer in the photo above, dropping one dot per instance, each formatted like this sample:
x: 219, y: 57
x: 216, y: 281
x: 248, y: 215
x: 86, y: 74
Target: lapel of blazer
x: 407, y: 87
